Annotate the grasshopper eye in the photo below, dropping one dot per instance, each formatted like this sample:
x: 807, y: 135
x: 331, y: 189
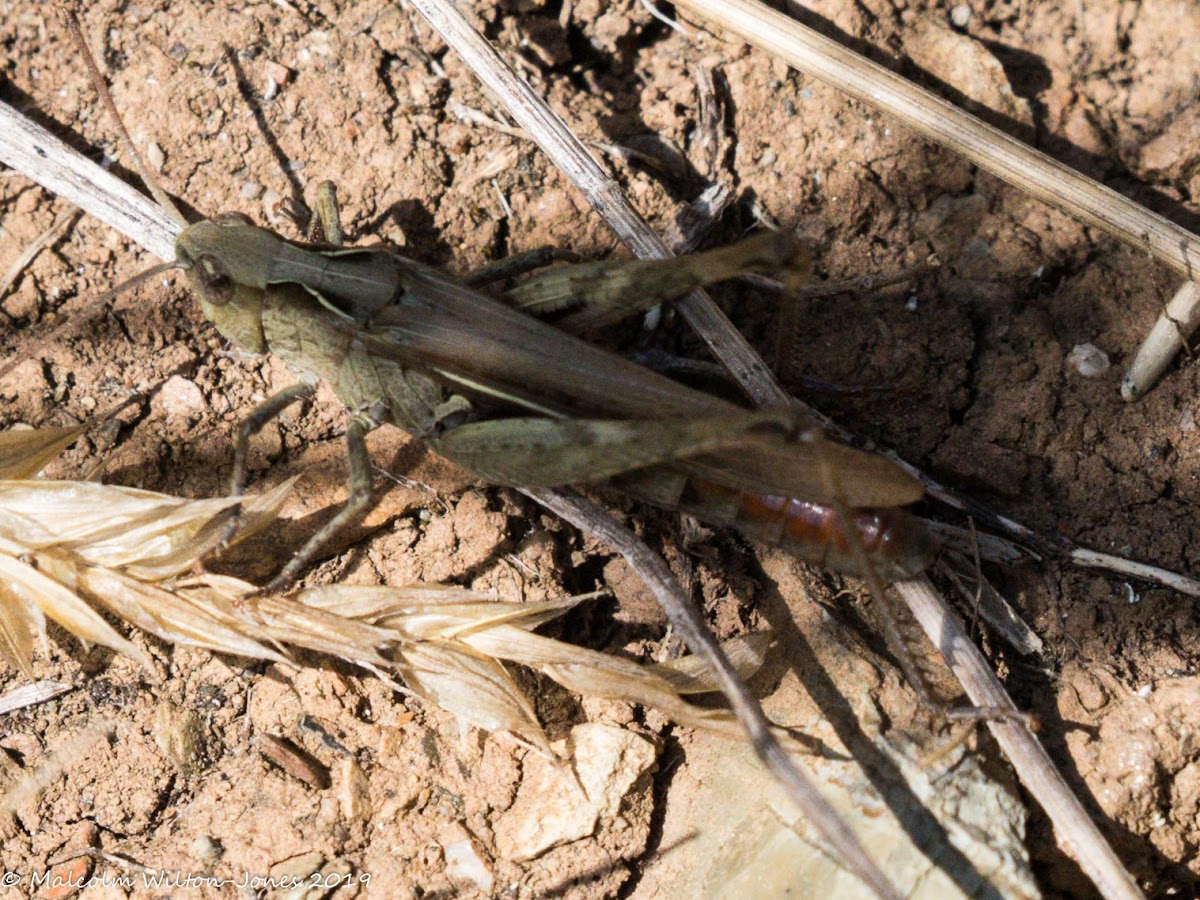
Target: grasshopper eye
x: 215, y: 282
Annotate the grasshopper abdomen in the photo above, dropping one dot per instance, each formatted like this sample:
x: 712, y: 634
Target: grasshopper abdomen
x: 893, y: 540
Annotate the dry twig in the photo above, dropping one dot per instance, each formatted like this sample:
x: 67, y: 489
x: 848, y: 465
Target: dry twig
x: 689, y: 622
x: 36, y: 246
x: 1075, y: 830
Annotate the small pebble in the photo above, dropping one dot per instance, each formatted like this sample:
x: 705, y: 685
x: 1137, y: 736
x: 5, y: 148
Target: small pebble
x: 1089, y: 360
x: 281, y: 75
x: 65, y: 879
x: 206, y: 849
x: 70, y: 876
x: 354, y: 791
x: 294, y: 760
x: 180, y: 397
x: 960, y: 16
x: 273, y: 206
x: 251, y: 190
x: 464, y: 859
x: 155, y: 156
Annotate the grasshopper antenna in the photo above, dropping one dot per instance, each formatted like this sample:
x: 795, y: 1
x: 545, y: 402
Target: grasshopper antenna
x: 76, y: 320
x: 160, y: 196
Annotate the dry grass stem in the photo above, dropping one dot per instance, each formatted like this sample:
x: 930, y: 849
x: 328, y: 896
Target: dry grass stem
x: 1036, y: 545
x: 69, y: 547
x: 988, y: 603
x: 36, y: 153
x: 31, y: 694
x: 689, y: 622
x: 1076, y: 832
x: 1167, y: 337
x: 1094, y: 559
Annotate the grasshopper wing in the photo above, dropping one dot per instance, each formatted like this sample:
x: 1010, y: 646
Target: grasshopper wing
x: 496, y: 354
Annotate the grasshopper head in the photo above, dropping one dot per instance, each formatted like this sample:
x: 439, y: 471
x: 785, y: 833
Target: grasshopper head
x: 226, y: 260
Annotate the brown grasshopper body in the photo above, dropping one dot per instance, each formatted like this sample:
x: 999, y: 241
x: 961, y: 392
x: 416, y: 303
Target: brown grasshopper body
x: 521, y: 402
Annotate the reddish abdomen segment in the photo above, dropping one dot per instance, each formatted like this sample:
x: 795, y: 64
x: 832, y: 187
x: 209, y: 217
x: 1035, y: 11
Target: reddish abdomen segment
x: 896, y: 543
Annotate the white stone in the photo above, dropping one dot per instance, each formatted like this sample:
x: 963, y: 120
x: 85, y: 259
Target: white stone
x: 551, y: 809
x: 464, y: 861
x: 180, y: 397
x: 1088, y: 360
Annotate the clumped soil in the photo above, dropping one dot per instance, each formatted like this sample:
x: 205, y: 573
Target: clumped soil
x: 247, y: 107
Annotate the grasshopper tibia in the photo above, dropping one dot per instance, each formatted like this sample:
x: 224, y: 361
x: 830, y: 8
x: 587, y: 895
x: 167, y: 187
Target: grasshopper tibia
x: 356, y: 504
x: 591, y: 295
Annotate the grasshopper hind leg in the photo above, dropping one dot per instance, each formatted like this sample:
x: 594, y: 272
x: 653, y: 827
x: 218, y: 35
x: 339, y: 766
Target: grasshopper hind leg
x: 901, y: 633
x: 591, y: 295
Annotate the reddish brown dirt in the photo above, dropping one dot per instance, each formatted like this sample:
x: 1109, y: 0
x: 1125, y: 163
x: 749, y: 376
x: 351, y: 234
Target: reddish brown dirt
x: 974, y: 357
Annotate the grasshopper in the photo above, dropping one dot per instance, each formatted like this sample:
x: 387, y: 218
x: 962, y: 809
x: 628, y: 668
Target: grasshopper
x: 494, y: 386
x: 523, y: 403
